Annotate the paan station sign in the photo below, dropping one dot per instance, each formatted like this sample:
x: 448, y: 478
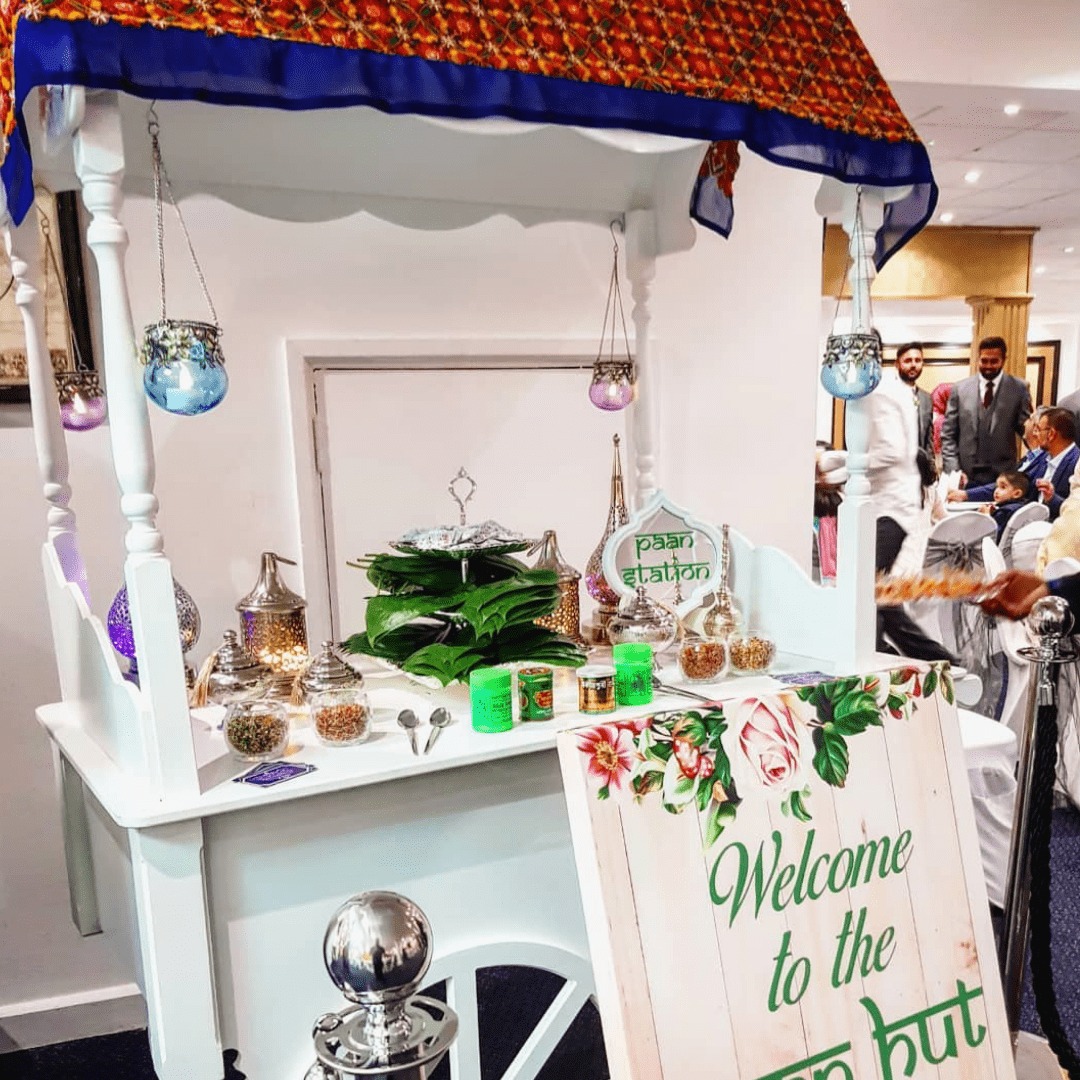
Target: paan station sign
x: 788, y: 887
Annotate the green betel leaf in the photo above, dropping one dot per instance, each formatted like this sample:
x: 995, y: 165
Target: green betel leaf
x: 435, y: 575
x: 830, y: 757
x: 444, y: 662
x: 856, y: 712
x: 719, y: 817
x: 930, y: 682
x: 798, y: 806
x: 386, y: 613
x: 947, y: 686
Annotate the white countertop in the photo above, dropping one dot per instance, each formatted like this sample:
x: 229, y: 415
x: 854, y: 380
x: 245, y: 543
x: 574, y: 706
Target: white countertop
x: 386, y: 755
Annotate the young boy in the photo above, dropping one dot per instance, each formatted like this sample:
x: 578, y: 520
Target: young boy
x: 1010, y: 493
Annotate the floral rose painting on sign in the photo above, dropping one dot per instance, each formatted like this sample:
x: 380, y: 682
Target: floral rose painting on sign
x: 771, y: 744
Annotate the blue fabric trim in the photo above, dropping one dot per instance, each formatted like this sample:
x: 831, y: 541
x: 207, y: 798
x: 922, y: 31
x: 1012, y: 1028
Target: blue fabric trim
x: 184, y: 64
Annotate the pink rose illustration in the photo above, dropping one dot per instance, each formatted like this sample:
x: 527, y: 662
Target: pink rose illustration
x: 769, y: 733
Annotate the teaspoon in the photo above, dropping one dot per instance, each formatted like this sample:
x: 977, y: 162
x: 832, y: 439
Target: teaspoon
x: 407, y: 719
x: 663, y: 688
x: 440, y: 718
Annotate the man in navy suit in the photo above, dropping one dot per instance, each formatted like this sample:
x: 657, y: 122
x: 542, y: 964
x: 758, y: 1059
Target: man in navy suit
x: 1032, y: 464
x: 1056, y: 429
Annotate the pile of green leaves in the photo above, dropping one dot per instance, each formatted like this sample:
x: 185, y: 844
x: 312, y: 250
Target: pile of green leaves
x: 429, y: 621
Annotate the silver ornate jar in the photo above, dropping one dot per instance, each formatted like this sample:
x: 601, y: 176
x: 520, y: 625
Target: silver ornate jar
x: 236, y: 674
x: 642, y: 619
x: 327, y: 671
x: 377, y: 951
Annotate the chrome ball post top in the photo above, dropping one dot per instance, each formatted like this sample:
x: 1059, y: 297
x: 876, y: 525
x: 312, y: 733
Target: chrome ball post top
x: 377, y: 951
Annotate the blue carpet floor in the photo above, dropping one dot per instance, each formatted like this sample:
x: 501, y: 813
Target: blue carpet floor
x: 513, y: 999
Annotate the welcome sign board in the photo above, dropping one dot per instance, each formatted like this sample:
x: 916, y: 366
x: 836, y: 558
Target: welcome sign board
x: 788, y: 887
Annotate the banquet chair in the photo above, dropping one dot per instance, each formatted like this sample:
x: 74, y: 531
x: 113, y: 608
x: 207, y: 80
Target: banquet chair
x: 955, y: 544
x: 1012, y: 637
x: 1026, y: 544
x: 1025, y: 516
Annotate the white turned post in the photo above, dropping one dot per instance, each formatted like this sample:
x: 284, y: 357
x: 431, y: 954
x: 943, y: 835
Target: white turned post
x: 25, y: 252
x: 644, y: 413
x: 99, y: 163
x: 857, y: 518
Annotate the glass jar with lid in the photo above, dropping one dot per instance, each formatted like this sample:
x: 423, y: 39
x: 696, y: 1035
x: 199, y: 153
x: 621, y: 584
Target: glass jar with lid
x: 341, y: 717
x: 256, y: 730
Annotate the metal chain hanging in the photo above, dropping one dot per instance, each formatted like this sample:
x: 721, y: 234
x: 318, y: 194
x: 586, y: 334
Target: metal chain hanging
x: 161, y: 177
x: 614, y: 382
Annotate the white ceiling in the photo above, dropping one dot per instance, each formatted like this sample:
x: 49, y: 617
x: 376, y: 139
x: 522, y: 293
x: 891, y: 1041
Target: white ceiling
x: 996, y: 169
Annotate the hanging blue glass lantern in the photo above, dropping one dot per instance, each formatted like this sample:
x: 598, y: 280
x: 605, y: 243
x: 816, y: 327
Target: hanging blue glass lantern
x: 185, y: 369
x: 184, y: 366
x: 852, y: 365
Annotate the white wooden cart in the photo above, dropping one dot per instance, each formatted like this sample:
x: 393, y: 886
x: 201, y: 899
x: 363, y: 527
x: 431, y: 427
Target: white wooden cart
x: 222, y: 893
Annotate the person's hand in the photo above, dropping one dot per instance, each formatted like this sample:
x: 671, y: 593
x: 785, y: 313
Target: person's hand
x: 985, y: 508
x: 1046, y: 489
x: 1014, y: 594
x: 956, y: 496
x: 963, y: 479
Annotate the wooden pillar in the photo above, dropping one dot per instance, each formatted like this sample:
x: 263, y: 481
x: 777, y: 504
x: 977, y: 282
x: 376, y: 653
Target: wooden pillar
x: 99, y: 164
x: 1006, y: 317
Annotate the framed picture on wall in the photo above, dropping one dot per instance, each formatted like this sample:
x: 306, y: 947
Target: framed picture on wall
x: 63, y: 283
x: 948, y: 363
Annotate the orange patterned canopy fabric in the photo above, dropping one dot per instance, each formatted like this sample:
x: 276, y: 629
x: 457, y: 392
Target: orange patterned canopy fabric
x: 720, y: 69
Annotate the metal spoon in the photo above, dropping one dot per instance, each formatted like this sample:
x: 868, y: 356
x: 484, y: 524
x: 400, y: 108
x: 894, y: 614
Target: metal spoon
x: 408, y: 720
x: 663, y: 688
x: 440, y: 718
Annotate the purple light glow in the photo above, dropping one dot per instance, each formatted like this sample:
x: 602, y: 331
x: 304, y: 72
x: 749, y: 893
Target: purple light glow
x: 83, y: 413
x: 611, y: 393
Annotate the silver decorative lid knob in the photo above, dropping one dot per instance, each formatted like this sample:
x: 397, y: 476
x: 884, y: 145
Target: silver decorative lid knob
x: 377, y: 948
x: 1050, y: 618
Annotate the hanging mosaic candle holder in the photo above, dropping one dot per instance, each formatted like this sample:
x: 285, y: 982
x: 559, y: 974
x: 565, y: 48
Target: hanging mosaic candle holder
x: 614, y: 379
x: 184, y: 369
x: 122, y: 634
x: 82, y: 402
x: 851, y: 367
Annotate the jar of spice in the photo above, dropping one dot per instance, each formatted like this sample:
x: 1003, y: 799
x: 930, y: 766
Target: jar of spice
x: 633, y: 673
x: 256, y: 730
x: 751, y: 652
x: 596, y: 688
x: 702, y: 658
x: 491, y: 699
x: 341, y: 717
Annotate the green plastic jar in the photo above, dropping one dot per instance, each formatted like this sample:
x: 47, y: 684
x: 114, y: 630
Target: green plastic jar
x: 633, y: 673
x: 492, y: 699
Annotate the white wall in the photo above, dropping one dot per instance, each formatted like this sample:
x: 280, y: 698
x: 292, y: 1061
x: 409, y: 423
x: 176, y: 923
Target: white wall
x: 738, y: 327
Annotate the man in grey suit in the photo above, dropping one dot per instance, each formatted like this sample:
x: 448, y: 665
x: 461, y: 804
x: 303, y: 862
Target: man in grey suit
x: 986, y: 413
x: 909, y: 363
x: 1072, y: 403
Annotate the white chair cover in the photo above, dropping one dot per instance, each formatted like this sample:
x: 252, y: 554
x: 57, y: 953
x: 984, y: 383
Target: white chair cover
x: 1026, y: 544
x: 990, y: 753
x: 1061, y: 568
x: 1068, y: 770
x: 1024, y: 516
x: 1010, y: 638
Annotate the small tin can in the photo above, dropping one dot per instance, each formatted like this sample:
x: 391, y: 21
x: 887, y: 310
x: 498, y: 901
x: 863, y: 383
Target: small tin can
x: 596, y: 689
x: 536, y: 693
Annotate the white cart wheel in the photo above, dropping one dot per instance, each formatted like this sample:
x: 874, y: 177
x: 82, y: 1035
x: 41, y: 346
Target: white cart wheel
x: 459, y: 971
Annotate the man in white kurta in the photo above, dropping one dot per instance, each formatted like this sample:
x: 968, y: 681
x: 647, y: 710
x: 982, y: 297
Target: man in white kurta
x: 896, y: 492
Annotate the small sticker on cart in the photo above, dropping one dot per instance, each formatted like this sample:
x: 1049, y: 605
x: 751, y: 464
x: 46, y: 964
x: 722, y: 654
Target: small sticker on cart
x: 270, y: 773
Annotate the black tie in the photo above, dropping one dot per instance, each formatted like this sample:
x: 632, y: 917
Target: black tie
x: 988, y: 394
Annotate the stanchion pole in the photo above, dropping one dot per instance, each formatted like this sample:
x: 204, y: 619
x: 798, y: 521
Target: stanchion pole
x: 1051, y: 623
